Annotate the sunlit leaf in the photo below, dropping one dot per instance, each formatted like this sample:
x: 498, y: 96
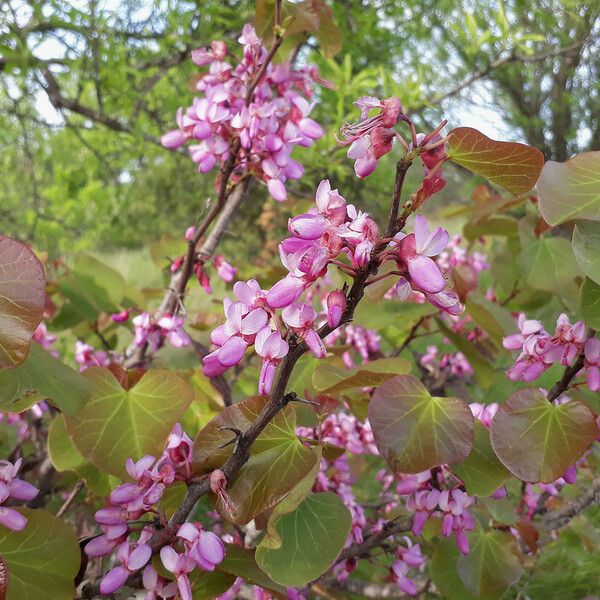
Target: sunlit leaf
x: 482, y: 472
x: 513, y: 166
x: 415, y: 431
x: 586, y: 247
x: 116, y: 424
x: 329, y: 379
x: 42, y: 376
x: 278, y: 460
x: 42, y: 559
x: 501, y: 226
x: 590, y: 303
x: 548, y: 264
x: 312, y: 537
x: 491, y: 566
x: 494, y: 319
x: 571, y: 190
x: 22, y: 293
x: 537, y: 440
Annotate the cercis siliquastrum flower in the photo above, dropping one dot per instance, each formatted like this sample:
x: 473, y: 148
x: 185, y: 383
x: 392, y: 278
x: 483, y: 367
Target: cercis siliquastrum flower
x: 267, y: 117
x: 136, y: 502
x: 331, y: 233
x: 13, y: 488
x: 539, y: 350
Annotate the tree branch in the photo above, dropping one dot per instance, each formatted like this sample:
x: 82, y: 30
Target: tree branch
x: 561, y: 516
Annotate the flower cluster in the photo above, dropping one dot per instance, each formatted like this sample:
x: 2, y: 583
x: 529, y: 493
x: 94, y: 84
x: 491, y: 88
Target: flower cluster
x: 18, y: 489
x: 132, y: 501
x: 539, y: 350
x: 428, y: 497
x: 152, y: 331
x: 371, y: 138
x: 407, y: 557
x: 455, y: 362
x: 365, y: 342
x: 266, y: 117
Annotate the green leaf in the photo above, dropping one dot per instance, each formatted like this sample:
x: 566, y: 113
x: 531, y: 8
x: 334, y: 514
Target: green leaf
x: 444, y: 573
x: 415, y: 431
x: 506, y: 226
x: 211, y: 584
x: 42, y: 559
x: 65, y: 457
x: 491, y: 566
x: 92, y: 287
x: 482, y: 472
x: 548, y: 264
x: 278, y: 460
x: 590, y: 303
x: 242, y: 563
x: 586, y: 247
x: 329, y: 379
x: 42, y: 376
x: 536, y: 440
x: 22, y: 296
x: 312, y: 537
x: 116, y: 424
x: 515, y: 167
x: 484, y: 372
x: 570, y: 190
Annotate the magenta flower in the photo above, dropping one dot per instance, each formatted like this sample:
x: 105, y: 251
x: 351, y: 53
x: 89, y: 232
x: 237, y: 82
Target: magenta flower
x: 417, y: 248
x: 180, y: 565
x: 268, y: 128
x: 203, y: 547
x: 300, y: 318
x: 372, y: 137
x: 18, y: 489
x: 272, y: 348
x: 156, y: 586
x: 132, y: 556
x: 87, y: 356
x: 225, y: 271
x: 592, y: 363
x: 336, y: 305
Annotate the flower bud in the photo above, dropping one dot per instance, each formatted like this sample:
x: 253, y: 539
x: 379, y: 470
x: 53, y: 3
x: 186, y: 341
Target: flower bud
x: 336, y: 304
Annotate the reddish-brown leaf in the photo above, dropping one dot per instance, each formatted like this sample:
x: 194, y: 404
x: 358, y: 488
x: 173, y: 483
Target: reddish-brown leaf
x: 513, y: 166
x: 22, y: 292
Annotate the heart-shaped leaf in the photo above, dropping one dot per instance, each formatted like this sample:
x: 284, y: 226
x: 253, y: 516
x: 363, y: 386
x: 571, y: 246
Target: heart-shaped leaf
x: 586, y: 247
x: 42, y: 376
x: 415, y: 431
x: 590, y: 303
x: 278, y: 460
x: 536, y: 440
x: 116, y: 424
x: 444, y: 573
x: 570, y: 190
x: 42, y: 559
x: 482, y: 472
x: 329, y: 379
x: 513, y: 166
x: 22, y: 295
x: 491, y: 566
x: 312, y: 536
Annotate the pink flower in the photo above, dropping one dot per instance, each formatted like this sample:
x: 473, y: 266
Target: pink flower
x: 272, y: 348
x: 87, y: 356
x: 372, y: 137
x: 224, y: 269
x: 300, y: 318
x: 180, y: 565
x: 417, y: 248
x: 203, y: 547
x: 336, y: 305
x: 156, y: 586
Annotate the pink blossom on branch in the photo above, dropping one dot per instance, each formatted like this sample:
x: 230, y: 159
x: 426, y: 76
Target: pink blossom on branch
x: 267, y: 127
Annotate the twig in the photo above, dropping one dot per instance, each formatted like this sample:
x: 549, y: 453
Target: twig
x: 63, y: 509
x: 561, y: 516
x: 412, y: 334
x: 570, y: 372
